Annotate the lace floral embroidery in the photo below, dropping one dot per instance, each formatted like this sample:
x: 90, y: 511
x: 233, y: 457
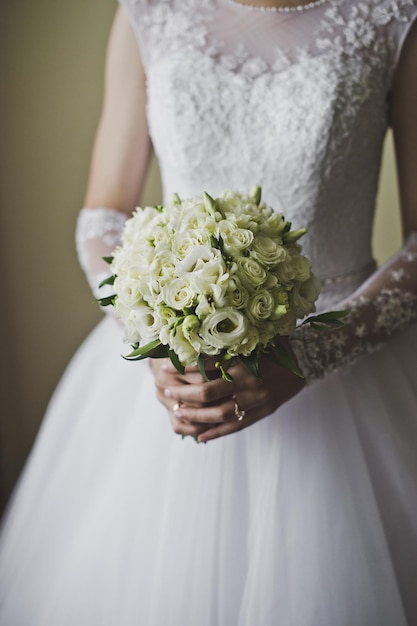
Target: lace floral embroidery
x: 373, y: 319
x: 97, y: 234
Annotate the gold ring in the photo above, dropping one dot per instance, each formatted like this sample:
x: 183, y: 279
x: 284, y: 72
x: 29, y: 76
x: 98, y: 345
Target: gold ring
x: 176, y: 406
x: 240, y: 414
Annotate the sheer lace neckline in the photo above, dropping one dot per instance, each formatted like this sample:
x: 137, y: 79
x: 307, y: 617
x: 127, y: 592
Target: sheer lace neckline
x: 284, y: 9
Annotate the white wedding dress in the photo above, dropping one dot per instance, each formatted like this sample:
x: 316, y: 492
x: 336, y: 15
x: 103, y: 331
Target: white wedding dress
x: 309, y: 517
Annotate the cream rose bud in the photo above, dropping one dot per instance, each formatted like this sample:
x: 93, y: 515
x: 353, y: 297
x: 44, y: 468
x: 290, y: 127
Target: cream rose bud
x: 301, y: 266
x: 175, y: 338
x: 190, y: 327
x: 251, y: 273
x: 178, y: 293
x: 224, y: 329
x: 261, y: 305
x: 268, y: 251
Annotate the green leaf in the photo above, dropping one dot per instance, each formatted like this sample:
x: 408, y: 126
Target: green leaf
x: 201, y: 364
x: 223, y: 370
x: 144, y: 351
x: 176, y: 362
x: 107, y: 301
x: 251, y: 363
x: 285, y: 358
x: 107, y: 281
x: 329, y: 315
x: 326, y: 321
x: 108, y: 259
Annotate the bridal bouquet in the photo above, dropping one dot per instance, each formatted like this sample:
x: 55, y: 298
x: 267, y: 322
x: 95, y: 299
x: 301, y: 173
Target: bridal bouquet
x: 204, y: 277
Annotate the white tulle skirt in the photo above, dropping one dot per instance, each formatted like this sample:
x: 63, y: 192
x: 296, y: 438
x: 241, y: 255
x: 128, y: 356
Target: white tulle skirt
x: 308, y: 518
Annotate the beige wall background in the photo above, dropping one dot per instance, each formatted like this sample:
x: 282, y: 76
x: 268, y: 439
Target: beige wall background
x: 51, y: 68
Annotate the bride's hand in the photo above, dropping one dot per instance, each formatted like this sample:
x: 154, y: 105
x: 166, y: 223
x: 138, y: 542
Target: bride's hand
x: 168, y: 378
x: 209, y: 410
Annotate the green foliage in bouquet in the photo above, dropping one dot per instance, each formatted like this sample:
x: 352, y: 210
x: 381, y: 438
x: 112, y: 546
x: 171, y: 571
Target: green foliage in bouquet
x: 206, y: 278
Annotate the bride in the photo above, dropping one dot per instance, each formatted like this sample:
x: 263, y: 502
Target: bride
x: 302, y: 508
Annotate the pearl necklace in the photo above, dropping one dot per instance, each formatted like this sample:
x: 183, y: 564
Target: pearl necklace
x: 300, y: 7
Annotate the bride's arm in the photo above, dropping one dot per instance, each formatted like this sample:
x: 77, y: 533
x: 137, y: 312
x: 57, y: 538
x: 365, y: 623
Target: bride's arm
x: 387, y: 302
x: 120, y: 156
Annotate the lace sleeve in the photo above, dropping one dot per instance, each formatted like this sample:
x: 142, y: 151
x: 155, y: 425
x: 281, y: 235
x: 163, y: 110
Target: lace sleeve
x: 384, y: 305
x: 98, y: 233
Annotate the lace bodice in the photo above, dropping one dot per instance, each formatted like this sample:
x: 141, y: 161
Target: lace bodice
x: 300, y: 107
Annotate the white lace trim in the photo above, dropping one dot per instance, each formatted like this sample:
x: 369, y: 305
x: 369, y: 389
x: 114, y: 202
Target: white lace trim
x: 97, y: 234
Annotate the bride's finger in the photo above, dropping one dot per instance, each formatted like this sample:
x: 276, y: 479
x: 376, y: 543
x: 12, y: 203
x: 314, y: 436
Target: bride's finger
x: 227, y: 428
x: 201, y: 393
x: 231, y: 409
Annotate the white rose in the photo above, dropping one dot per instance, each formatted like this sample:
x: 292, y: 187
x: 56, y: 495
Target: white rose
x: 128, y: 290
x: 284, y: 272
x: 250, y: 272
x: 224, y: 329
x: 301, y: 266
x: 237, y: 294
x: 143, y: 219
x: 310, y: 289
x: 304, y: 295
x: 268, y: 251
x: 261, y: 305
x: 159, y: 235
x: 141, y: 325
x: 163, y: 266
x: 178, y: 293
x: 183, y: 242
x: 196, y: 259
x: 235, y: 239
x: 206, y: 272
x: 147, y: 322
x: 131, y: 334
